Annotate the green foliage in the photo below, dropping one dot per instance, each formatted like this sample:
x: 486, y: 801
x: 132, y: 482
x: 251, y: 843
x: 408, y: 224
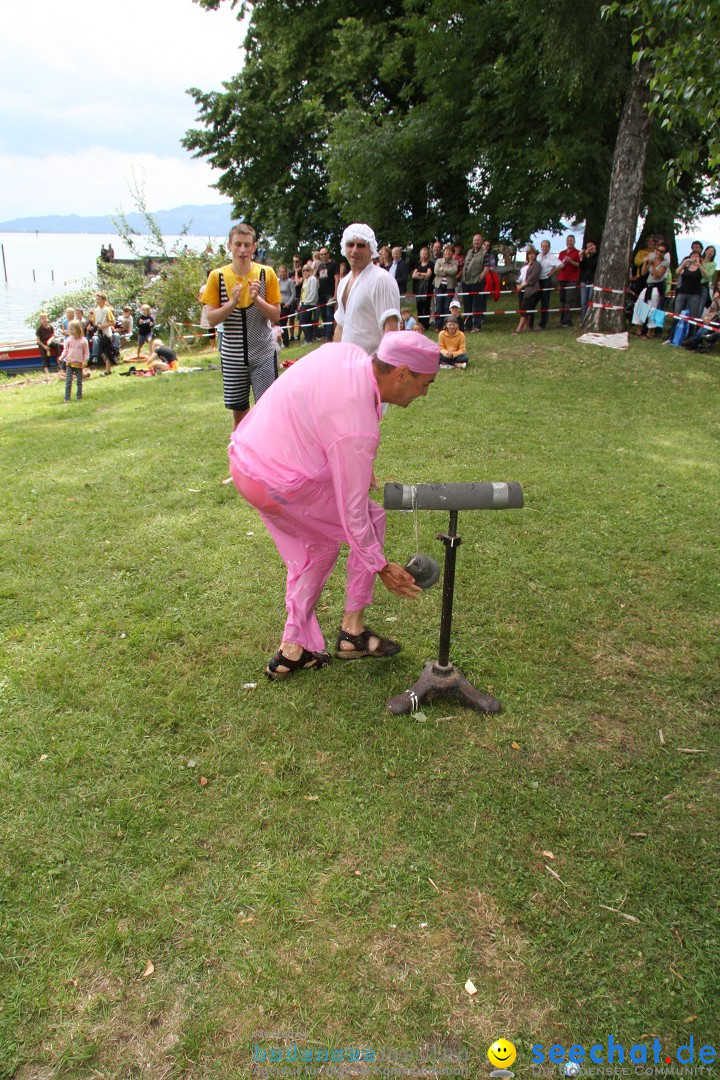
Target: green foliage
x: 678, y: 39
x: 82, y: 295
x: 174, y: 292
x: 431, y: 117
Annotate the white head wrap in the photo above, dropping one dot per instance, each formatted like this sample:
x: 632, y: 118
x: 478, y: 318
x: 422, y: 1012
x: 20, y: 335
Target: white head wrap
x: 358, y: 231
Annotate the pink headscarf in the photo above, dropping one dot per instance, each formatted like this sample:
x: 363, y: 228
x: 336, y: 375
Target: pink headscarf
x: 400, y: 347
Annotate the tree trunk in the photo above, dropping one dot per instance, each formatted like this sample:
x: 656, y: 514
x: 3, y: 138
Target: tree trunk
x: 623, y: 208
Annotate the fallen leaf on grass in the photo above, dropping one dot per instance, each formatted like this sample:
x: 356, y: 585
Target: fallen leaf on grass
x: 420, y: 717
x: 311, y: 798
x: 433, y: 884
x: 203, y: 781
x: 552, y: 873
x: 471, y: 987
x: 43, y: 757
x: 148, y: 969
x: 247, y: 919
x: 191, y: 763
x: 639, y: 835
x: 686, y: 750
x: 690, y: 1019
x: 661, y: 737
x: 547, y: 854
x: 515, y: 745
x: 249, y: 686
x: 391, y: 618
x: 622, y: 914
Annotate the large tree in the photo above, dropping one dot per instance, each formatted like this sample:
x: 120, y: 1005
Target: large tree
x: 673, y: 83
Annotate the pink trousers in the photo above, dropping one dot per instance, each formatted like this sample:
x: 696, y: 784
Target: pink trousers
x: 306, y: 528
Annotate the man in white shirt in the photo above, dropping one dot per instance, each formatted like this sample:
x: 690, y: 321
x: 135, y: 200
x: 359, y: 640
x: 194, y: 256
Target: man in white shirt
x: 548, y: 264
x: 368, y: 298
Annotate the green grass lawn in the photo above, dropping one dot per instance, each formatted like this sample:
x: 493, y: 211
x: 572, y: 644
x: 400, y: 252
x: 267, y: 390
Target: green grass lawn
x: 291, y: 856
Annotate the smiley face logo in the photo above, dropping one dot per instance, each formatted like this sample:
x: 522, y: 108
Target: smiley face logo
x: 502, y: 1054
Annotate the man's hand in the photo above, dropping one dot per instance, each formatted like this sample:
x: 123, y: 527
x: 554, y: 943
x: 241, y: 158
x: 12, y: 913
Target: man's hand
x: 254, y: 290
x: 397, y: 580
x: 235, y: 294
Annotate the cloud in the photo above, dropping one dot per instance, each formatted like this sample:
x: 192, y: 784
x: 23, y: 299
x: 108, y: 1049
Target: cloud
x: 97, y: 180
x: 95, y: 75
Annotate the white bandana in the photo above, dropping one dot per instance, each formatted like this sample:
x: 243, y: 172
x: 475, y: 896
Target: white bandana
x: 358, y: 231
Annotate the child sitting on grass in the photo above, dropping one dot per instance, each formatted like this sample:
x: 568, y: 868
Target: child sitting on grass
x: 408, y: 320
x: 452, y: 345
x: 162, y: 358
x: 75, y: 354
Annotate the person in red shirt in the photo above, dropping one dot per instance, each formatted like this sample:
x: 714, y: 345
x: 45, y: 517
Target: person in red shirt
x: 568, y: 279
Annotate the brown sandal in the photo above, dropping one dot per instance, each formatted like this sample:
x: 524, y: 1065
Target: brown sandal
x: 307, y: 661
x: 360, y: 645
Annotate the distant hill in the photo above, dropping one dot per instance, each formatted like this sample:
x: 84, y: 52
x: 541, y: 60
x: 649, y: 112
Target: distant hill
x: 207, y: 220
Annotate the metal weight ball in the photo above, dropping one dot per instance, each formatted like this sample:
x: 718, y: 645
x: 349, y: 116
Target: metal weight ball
x: 424, y: 569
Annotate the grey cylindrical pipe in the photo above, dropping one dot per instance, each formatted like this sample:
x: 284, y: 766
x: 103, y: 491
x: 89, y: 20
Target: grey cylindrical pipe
x: 484, y: 495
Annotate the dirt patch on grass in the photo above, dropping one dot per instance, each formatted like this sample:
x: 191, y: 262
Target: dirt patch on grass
x: 633, y: 660
x: 131, y: 1027
x: 504, y: 1001
x: 610, y: 733
x: 131, y: 1041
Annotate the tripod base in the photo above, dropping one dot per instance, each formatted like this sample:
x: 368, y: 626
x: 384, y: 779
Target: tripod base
x: 439, y: 681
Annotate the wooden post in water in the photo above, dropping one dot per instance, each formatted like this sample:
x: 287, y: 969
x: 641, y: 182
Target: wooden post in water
x: 4, y: 266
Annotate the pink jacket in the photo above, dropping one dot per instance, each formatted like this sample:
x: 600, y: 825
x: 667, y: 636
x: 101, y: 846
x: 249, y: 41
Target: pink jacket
x: 319, y: 422
x: 75, y: 351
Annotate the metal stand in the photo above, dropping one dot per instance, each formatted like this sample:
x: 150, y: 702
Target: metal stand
x: 440, y: 678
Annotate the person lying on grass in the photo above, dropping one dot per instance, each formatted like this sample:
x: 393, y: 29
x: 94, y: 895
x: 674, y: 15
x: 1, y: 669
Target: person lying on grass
x: 303, y: 457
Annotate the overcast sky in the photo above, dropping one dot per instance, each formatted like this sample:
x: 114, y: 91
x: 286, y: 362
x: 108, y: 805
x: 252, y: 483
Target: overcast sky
x: 90, y: 91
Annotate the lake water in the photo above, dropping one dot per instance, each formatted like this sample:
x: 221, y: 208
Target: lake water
x: 40, y: 266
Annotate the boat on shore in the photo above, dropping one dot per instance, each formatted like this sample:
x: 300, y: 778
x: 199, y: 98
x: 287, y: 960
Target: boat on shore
x: 17, y: 357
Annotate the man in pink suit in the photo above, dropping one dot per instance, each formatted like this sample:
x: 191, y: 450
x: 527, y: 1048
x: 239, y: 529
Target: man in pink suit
x: 303, y: 457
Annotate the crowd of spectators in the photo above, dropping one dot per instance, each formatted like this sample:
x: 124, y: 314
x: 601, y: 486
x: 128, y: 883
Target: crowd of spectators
x: 439, y: 275
x: 547, y: 283
x: 693, y: 311
x: 105, y: 333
